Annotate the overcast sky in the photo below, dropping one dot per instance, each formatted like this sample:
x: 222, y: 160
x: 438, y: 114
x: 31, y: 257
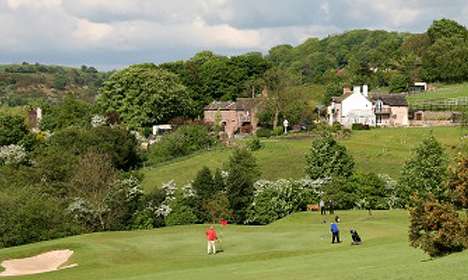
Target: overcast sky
x: 112, y: 34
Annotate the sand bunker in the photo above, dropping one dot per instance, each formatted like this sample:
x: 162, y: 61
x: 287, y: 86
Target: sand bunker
x: 49, y: 261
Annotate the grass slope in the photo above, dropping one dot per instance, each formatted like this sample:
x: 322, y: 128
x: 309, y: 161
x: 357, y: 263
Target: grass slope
x: 291, y: 248
x: 443, y: 91
x: 378, y: 150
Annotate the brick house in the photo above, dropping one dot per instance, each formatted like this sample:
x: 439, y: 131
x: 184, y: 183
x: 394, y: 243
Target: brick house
x: 234, y: 117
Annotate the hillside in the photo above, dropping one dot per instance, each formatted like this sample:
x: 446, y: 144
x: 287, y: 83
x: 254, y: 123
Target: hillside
x: 379, y: 150
x: 297, y: 247
x: 19, y: 84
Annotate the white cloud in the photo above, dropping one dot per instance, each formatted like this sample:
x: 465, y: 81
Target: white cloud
x: 103, y: 29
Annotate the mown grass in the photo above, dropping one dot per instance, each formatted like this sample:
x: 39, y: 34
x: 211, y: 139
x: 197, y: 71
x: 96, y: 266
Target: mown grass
x: 442, y: 91
x: 379, y: 150
x: 297, y: 247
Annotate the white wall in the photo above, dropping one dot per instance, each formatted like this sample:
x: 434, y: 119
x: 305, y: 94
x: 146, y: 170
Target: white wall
x: 355, y: 101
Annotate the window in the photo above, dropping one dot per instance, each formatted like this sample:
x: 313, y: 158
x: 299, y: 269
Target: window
x: 378, y: 119
x: 379, y: 106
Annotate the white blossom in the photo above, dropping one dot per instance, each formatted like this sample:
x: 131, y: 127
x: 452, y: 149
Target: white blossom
x: 163, y: 210
x: 188, y: 191
x: 98, y: 120
x: 13, y: 154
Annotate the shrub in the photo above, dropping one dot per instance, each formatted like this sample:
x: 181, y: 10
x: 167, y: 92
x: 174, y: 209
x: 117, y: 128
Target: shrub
x: 181, y: 214
x: 28, y: 215
x: 171, y: 146
x: 336, y: 126
x: 436, y: 228
x: 357, y: 126
x: 275, y: 200
x: 254, y: 144
x: 278, y: 131
x: 183, y: 141
x: 263, y: 132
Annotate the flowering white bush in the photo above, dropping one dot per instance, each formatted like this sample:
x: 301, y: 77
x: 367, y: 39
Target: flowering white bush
x: 163, y: 210
x: 188, y: 191
x: 276, y: 199
x: 13, y: 154
x: 169, y: 190
x: 98, y: 120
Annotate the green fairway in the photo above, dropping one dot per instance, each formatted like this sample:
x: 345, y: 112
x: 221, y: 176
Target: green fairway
x: 296, y: 247
x: 379, y: 150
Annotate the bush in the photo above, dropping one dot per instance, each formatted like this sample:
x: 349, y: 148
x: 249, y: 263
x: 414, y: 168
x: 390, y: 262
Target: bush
x: 171, y: 146
x: 436, y: 228
x: 336, y: 126
x: 183, y: 141
x: 357, y: 126
x: 181, y: 214
x: 28, y: 216
x: 254, y: 144
x: 263, y: 132
x: 278, y: 131
x: 275, y: 200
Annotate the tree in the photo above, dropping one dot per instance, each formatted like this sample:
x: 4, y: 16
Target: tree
x: 119, y: 144
x: 399, y: 83
x: 72, y: 112
x: 424, y: 172
x: 278, y: 82
x: 436, y: 227
x: 242, y: 173
x: 446, y: 28
x: 446, y: 60
x: 94, y: 181
x: 144, y: 95
x: 326, y: 158
x: 371, y: 191
x: 13, y: 130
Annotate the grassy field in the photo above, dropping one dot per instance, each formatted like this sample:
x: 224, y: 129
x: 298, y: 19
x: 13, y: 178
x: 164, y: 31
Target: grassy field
x: 443, y: 91
x: 297, y: 247
x: 379, y: 150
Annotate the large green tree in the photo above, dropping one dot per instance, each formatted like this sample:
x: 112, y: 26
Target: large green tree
x: 242, y: 173
x: 424, y: 172
x: 144, y: 95
x: 326, y: 158
x: 446, y: 28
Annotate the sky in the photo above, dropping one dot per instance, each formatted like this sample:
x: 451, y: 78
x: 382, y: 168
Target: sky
x: 113, y: 34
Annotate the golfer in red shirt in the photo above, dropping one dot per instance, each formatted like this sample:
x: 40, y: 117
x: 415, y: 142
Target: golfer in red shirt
x: 211, y: 240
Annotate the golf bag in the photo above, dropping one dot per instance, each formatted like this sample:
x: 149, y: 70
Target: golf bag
x: 355, y: 236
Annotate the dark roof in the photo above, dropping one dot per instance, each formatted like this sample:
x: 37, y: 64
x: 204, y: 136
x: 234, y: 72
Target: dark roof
x: 391, y: 99
x: 221, y: 105
x: 244, y: 104
x: 341, y: 97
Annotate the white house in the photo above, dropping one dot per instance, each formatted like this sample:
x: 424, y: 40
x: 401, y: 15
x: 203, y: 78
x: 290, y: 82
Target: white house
x: 352, y: 107
x: 374, y: 109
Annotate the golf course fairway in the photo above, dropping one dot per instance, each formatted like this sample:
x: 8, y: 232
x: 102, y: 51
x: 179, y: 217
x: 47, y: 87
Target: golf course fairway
x: 296, y: 247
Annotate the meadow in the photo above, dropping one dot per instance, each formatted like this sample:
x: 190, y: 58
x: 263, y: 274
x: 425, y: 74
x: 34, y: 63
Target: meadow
x: 442, y: 91
x: 382, y: 151
x: 296, y: 247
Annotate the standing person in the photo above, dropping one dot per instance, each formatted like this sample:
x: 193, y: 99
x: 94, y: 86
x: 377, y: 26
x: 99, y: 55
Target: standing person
x: 330, y: 207
x: 335, y: 233
x: 211, y: 249
x: 323, y: 211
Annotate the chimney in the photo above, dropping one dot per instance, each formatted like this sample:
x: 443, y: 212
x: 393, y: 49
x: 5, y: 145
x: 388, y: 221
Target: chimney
x: 365, y: 90
x: 357, y: 89
x: 346, y: 90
